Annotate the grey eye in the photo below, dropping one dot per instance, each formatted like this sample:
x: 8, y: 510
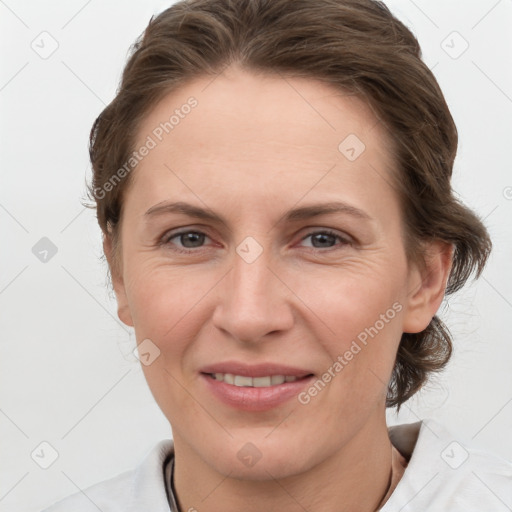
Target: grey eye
x: 191, y: 239
x: 321, y: 240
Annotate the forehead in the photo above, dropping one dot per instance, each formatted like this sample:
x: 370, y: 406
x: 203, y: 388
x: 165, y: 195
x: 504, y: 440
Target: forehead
x: 261, y: 131
x: 257, y: 105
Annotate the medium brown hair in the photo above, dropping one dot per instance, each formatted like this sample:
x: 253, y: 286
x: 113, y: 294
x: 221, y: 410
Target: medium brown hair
x: 356, y: 46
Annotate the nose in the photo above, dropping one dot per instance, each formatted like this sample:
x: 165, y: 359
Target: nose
x: 253, y: 301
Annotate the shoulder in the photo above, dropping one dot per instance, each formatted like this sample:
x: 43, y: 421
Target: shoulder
x: 447, y: 473
x: 142, y: 488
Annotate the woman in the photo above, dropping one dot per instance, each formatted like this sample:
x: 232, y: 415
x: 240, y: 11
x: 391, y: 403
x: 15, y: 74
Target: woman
x: 273, y: 185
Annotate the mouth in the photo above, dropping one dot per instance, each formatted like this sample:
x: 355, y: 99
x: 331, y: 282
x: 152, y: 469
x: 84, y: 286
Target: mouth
x: 254, y: 388
x: 245, y: 381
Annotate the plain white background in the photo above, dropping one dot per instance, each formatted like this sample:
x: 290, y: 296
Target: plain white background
x: 68, y: 375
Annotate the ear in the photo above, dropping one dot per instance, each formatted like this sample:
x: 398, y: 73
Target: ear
x: 427, y: 285
x: 114, y: 263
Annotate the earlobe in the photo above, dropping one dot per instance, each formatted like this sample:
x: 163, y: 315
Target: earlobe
x: 123, y: 309
x: 427, y: 286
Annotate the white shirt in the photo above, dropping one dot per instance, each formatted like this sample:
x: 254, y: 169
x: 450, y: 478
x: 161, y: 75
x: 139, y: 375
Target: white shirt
x: 442, y: 476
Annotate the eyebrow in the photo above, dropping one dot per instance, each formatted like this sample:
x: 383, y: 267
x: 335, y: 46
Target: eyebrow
x: 294, y: 215
x: 186, y: 209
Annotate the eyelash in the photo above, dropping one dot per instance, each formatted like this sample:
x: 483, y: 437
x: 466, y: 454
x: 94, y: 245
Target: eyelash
x: 166, y: 240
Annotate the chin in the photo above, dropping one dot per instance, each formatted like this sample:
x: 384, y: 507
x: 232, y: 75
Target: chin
x: 263, y: 459
x: 266, y: 468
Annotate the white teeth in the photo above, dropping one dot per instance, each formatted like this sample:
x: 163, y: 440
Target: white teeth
x: 255, y: 382
x: 262, y: 382
x: 242, y: 381
x: 277, y: 379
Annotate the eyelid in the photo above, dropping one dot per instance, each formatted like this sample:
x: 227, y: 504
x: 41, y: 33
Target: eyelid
x: 343, y: 237
x: 165, y: 239
x: 170, y: 234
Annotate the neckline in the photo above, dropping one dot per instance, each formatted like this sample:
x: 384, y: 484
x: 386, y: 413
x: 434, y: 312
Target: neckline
x: 398, y: 466
x: 403, y: 441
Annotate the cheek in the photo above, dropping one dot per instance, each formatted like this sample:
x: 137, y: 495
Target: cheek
x: 167, y: 308
x: 349, y: 300
x: 167, y: 305
x: 359, y: 325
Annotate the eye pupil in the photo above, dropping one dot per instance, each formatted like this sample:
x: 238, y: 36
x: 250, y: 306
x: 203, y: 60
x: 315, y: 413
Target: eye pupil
x: 195, y: 239
x: 325, y: 239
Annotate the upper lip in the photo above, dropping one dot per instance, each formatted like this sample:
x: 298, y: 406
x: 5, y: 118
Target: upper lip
x: 255, y: 370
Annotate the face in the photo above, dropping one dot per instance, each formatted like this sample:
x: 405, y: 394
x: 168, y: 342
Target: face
x: 262, y: 241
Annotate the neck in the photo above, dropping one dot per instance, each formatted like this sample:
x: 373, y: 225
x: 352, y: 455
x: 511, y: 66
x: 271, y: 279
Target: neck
x: 354, y: 478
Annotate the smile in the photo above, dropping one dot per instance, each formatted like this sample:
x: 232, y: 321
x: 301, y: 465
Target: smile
x: 252, y: 382
x: 254, y: 393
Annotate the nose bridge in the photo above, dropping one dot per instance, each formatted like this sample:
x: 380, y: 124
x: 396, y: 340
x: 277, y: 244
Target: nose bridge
x: 250, y: 282
x: 253, y: 302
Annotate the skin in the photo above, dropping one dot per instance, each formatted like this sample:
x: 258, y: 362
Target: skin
x: 255, y: 147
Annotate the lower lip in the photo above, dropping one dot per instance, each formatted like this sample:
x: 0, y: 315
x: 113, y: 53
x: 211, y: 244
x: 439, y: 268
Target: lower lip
x: 255, y: 399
